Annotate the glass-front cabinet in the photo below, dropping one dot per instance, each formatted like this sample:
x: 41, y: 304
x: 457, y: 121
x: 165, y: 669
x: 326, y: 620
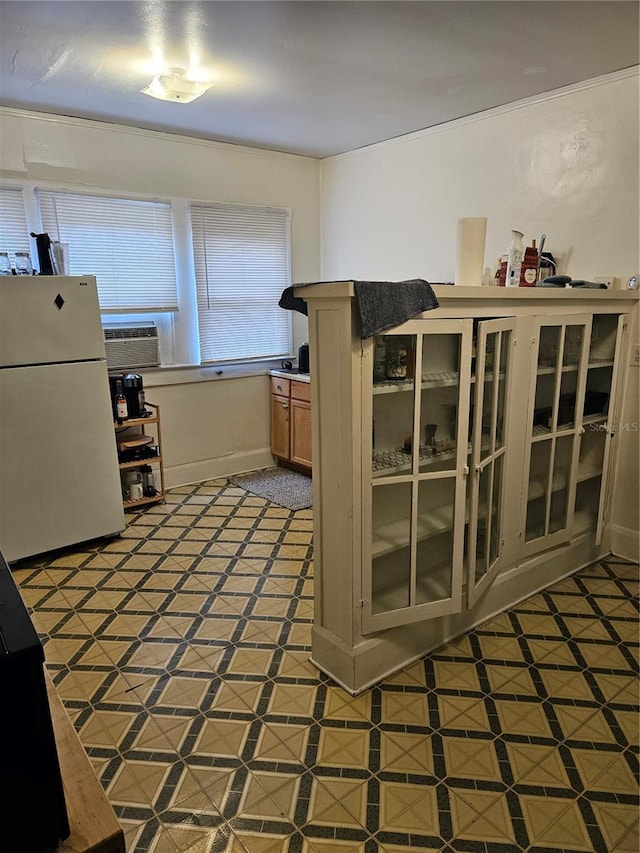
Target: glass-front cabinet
x: 572, y: 392
x: 435, y: 406
x: 599, y: 421
x: 462, y: 461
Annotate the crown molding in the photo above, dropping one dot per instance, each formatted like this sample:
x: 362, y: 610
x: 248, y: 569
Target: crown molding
x: 493, y: 112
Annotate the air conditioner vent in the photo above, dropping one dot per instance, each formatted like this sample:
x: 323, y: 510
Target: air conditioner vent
x: 131, y: 346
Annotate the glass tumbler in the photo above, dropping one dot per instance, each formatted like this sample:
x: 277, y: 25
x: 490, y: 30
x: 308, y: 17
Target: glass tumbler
x: 23, y: 263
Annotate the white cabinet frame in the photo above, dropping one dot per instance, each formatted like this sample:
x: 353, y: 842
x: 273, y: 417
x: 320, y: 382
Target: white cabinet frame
x: 414, y: 611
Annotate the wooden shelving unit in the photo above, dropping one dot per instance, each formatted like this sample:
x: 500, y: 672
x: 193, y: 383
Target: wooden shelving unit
x: 141, y: 426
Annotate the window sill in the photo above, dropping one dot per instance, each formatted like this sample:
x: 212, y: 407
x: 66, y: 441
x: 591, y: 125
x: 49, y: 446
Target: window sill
x: 156, y: 377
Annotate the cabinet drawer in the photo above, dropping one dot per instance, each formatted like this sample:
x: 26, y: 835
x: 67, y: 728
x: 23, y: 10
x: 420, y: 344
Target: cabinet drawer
x: 280, y: 386
x: 300, y: 391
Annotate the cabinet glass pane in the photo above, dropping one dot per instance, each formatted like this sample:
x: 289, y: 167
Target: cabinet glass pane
x: 484, y: 498
x: 560, y: 483
x: 569, y: 377
x: 393, y: 404
x: 602, y: 346
x: 494, y: 406
x: 592, y: 446
x: 545, y: 380
x: 494, y: 528
x: 391, y: 563
x: 538, y: 489
x: 490, y: 376
x: 488, y: 535
x: 434, y: 558
x: 598, y: 389
x: 505, y: 349
x: 440, y: 372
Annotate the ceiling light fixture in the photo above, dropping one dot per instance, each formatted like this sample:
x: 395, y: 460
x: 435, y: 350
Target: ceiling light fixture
x: 173, y: 85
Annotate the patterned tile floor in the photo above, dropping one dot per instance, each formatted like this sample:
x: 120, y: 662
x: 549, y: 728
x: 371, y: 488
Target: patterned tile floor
x: 181, y: 652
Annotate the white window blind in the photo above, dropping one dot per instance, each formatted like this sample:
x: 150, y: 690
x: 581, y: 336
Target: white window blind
x: 127, y: 244
x: 242, y: 266
x: 14, y: 236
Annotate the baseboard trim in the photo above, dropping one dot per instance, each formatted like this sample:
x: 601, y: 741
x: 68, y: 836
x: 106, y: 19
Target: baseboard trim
x: 377, y: 657
x: 625, y: 542
x: 210, y: 469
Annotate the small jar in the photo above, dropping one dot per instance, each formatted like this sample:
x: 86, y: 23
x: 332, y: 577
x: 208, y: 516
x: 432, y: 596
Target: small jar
x: 5, y: 264
x: 23, y: 263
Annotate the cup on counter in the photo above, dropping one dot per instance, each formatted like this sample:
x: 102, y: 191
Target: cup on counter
x: 135, y: 491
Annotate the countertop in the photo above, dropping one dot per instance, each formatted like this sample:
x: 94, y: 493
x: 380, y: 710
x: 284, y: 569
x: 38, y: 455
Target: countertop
x: 291, y: 374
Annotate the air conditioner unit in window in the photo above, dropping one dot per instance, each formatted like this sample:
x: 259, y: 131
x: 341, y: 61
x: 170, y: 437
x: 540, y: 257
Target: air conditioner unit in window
x: 131, y: 346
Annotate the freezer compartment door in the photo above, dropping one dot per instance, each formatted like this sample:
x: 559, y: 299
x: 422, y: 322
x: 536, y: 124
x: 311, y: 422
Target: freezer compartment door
x: 49, y: 319
x: 59, y: 475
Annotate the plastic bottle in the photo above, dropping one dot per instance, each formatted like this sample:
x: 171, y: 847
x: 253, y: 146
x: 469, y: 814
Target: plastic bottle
x: 122, y: 410
x: 514, y: 260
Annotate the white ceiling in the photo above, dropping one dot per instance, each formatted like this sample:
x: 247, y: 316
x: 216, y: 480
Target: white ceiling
x: 313, y: 78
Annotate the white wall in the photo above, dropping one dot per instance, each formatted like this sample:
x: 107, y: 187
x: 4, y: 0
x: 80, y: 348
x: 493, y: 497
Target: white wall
x: 210, y: 428
x: 565, y: 165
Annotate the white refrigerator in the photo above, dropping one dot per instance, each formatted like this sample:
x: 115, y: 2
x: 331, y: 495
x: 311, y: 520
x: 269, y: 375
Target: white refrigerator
x: 59, y: 476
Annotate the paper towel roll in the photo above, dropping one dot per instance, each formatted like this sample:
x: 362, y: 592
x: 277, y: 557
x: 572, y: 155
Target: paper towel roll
x: 470, y: 250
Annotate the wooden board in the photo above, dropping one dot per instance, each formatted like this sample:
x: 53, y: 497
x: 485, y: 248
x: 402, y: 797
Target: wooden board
x: 94, y: 826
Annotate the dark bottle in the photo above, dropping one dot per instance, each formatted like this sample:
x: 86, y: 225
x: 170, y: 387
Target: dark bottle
x: 122, y: 411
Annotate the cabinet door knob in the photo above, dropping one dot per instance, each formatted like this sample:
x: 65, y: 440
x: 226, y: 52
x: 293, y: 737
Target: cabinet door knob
x: 285, y: 406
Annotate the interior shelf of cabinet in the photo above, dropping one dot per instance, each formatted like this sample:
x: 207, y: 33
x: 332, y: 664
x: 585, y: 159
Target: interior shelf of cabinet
x: 588, y: 472
x: 537, y: 485
x: 539, y: 432
x: 396, y: 461
x: 600, y: 362
x: 432, y: 586
x: 584, y: 521
x: 394, y: 536
x: 566, y: 368
x: 598, y: 417
x: 127, y: 504
x: 136, y: 463
x: 431, y: 380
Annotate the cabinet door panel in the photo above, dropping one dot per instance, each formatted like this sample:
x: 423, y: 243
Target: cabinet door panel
x: 488, y: 450
x: 280, y: 426
x: 555, y: 419
x: 415, y: 437
x: 300, y: 415
x: 607, y: 353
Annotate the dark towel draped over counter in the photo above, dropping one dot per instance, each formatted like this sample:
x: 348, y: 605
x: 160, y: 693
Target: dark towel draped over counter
x: 381, y: 304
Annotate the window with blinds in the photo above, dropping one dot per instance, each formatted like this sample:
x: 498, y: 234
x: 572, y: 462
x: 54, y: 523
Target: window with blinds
x: 126, y: 243
x: 14, y: 234
x: 242, y: 265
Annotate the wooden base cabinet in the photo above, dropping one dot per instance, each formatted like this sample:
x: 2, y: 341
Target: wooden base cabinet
x: 463, y: 461
x: 291, y: 421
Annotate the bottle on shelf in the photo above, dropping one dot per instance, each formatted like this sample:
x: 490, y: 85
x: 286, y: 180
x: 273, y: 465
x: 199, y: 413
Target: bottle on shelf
x: 396, y: 360
x: 122, y: 411
x: 380, y: 360
x: 148, y: 482
x: 514, y: 259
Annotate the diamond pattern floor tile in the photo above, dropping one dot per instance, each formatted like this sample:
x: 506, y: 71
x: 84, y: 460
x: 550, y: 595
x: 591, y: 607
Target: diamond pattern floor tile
x: 181, y: 651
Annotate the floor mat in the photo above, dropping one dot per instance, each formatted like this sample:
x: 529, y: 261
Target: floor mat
x: 278, y: 485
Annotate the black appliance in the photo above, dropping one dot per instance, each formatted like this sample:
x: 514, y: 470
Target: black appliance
x: 45, y: 258
x: 303, y: 359
x: 33, y: 813
x: 133, y: 389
